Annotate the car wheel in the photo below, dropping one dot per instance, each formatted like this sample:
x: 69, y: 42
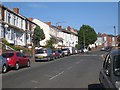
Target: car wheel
x: 4, y: 69
x: 16, y: 66
x: 28, y: 63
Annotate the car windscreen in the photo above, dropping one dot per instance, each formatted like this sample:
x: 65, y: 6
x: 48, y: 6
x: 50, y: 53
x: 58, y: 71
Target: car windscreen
x: 64, y: 49
x: 59, y: 51
x: 7, y: 55
x: 117, y: 65
x: 40, y: 51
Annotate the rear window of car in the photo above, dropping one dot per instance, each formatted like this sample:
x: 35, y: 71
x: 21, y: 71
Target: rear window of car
x: 59, y: 51
x: 64, y: 49
x: 7, y: 55
x: 40, y: 51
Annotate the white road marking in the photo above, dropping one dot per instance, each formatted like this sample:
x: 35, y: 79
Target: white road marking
x: 33, y: 81
x: 56, y: 75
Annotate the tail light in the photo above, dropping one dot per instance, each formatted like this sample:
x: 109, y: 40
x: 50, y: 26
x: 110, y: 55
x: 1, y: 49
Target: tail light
x: 53, y: 53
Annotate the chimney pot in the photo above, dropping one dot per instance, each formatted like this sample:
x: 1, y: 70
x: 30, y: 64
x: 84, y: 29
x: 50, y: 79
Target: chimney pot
x: 16, y: 10
x: 30, y: 19
x: 48, y: 23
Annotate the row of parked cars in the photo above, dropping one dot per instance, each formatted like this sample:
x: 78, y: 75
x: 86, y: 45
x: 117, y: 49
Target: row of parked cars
x: 16, y: 59
x: 49, y: 54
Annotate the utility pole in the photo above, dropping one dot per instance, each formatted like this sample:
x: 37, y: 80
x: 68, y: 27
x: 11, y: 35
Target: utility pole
x: 84, y: 38
x: 115, y: 34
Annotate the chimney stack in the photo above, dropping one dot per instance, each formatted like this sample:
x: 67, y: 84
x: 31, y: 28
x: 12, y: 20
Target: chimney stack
x: 60, y: 27
x: 16, y: 10
x: 48, y: 23
x: 69, y: 28
x: 30, y: 19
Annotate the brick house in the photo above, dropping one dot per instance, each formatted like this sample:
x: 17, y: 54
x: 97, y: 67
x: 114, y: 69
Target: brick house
x: 104, y: 40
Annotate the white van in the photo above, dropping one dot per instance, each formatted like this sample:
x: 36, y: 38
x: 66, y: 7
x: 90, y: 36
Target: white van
x: 72, y: 50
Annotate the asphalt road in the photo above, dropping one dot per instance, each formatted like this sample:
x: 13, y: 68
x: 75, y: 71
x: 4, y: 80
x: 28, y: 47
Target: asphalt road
x: 76, y: 71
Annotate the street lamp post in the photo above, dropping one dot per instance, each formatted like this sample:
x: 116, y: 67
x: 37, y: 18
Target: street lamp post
x: 115, y: 34
x: 84, y: 38
x: 57, y: 30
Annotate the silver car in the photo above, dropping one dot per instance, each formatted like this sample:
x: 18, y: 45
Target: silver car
x: 43, y: 54
x: 3, y: 65
x: 110, y: 74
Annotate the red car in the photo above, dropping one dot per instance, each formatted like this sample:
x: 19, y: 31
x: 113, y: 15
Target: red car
x: 16, y: 59
x: 56, y: 54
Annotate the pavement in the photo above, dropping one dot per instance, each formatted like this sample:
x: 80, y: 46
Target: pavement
x: 76, y: 71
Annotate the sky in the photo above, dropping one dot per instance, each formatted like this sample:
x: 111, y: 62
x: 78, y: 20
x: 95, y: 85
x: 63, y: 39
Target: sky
x: 102, y: 16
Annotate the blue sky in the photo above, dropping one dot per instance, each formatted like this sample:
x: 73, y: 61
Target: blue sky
x: 102, y: 16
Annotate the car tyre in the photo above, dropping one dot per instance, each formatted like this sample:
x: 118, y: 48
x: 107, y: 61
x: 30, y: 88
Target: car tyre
x: 17, y: 66
x: 4, y: 69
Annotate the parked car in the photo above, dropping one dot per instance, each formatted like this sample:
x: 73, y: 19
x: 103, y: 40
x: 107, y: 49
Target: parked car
x: 108, y: 49
x: 72, y: 50
x: 61, y: 53
x: 3, y: 64
x: 76, y: 51
x: 66, y: 51
x: 56, y: 54
x: 43, y: 54
x: 16, y: 59
x: 102, y: 49
x: 85, y: 50
x: 109, y: 76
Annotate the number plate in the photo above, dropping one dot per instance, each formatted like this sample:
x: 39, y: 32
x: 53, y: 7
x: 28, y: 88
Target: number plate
x: 40, y: 56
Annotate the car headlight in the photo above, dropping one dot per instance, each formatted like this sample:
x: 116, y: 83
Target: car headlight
x: 117, y: 85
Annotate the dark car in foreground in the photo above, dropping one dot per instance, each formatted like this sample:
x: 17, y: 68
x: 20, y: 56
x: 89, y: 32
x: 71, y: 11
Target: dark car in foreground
x: 109, y: 76
x: 16, y: 59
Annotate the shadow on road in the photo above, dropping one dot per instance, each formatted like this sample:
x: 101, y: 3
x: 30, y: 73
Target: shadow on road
x: 95, y: 87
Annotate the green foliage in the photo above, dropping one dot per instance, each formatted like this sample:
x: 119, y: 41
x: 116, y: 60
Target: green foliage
x: 17, y: 48
x: 50, y: 43
x: 90, y: 35
x: 118, y: 39
x: 77, y: 46
x: 38, y: 36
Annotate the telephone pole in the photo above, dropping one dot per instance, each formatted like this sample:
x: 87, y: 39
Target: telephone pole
x: 115, y: 35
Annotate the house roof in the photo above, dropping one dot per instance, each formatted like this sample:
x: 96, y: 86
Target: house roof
x: 19, y: 15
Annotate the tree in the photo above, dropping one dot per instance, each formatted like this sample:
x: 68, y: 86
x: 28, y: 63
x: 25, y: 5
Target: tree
x: 88, y: 33
x: 77, y: 46
x: 38, y: 36
x: 50, y: 43
x: 118, y: 39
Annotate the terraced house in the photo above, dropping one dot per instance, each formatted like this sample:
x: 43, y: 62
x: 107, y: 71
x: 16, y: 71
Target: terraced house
x: 14, y: 27
x: 65, y: 37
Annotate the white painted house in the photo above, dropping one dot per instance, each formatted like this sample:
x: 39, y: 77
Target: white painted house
x: 13, y: 26
x: 46, y: 30
x: 64, y: 37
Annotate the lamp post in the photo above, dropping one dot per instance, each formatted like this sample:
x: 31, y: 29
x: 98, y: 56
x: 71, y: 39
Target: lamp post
x: 57, y: 30
x: 84, y: 38
x: 115, y: 34
x: 57, y: 24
